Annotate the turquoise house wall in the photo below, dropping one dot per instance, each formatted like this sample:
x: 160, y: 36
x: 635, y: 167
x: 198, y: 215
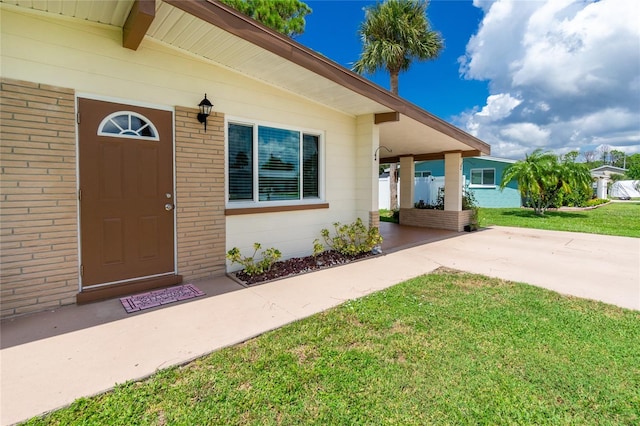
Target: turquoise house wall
x: 486, y: 196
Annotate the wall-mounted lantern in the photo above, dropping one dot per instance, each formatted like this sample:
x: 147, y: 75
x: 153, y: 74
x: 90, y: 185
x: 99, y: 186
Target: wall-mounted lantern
x: 205, y: 109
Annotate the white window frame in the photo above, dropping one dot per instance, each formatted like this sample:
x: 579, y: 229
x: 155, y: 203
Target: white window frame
x: 422, y: 173
x: 483, y: 185
x: 256, y: 203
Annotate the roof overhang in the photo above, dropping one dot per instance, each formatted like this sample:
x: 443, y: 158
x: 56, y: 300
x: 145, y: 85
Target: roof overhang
x: 218, y: 33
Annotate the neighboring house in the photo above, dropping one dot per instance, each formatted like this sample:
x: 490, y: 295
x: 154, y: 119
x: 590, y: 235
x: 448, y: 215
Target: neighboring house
x: 481, y: 175
x: 111, y: 185
x: 602, y: 176
x: 607, y: 171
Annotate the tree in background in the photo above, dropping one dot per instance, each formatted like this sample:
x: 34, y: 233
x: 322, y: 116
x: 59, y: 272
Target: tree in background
x: 570, y: 156
x: 633, y: 167
x: 617, y: 158
x: 285, y: 16
x: 590, y: 157
x: 543, y: 178
x: 394, y: 34
x: 603, y: 154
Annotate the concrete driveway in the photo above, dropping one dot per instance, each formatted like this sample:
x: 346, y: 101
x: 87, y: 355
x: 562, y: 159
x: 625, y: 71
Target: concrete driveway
x: 50, y: 372
x: 590, y: 266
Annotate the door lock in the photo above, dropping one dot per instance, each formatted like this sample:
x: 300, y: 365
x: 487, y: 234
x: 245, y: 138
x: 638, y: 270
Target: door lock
x: 168, y: 207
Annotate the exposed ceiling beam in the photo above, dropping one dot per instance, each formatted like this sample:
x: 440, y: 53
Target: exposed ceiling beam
x: 138, y: 22
x: 427, y: 157
x: 385, y: 117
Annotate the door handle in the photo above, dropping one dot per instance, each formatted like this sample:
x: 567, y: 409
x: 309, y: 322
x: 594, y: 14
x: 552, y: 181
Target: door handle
x: 168, y: 207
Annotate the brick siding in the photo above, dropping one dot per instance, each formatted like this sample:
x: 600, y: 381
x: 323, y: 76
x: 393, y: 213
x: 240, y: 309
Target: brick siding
x: 440, y: 219
x: 200, y: 190
x: 374, y: 219
x: 38, y: 219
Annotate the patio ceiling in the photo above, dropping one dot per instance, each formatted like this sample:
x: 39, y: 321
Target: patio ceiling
x: 221, y: 35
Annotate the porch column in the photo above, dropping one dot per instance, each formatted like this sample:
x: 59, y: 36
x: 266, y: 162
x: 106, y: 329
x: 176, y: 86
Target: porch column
x: 601, y: 191
x: 407, y: 182
x: 367, y: 141
x: 453, y: 181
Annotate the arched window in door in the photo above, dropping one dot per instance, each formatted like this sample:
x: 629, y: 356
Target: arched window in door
x: 128, y: 124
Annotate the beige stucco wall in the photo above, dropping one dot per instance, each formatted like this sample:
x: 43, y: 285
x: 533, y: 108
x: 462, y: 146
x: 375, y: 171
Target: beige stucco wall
x: 89, y: 59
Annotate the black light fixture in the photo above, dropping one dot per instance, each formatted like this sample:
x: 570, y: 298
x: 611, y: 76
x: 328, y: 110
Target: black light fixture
x: 205, y: 109
x: 375, y: 154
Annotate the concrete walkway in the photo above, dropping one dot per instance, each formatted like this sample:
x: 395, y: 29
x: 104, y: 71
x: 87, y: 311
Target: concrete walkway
x: 50, y: 372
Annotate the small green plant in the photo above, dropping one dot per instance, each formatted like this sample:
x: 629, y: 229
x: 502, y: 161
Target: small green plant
x: 352, y: 239
x: 469, y: 201
x: 318, y: 248
x: 251, y: 266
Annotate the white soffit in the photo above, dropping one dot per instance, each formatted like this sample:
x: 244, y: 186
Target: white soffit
x: 408, y: 136
x: 184, y: 31
x: 181, y: 30
x: 110, y: 12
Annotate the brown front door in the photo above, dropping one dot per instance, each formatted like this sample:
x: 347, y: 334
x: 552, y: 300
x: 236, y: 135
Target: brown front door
x: 126, y: 192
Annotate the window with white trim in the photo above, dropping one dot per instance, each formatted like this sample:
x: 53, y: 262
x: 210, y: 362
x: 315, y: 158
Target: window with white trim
x: 128, y: 124
x: 483, y: 177
x: 270, y: 164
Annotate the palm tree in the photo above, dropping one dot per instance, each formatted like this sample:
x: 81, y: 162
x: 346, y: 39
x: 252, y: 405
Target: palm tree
x: 394, y: 33
x: 542, y: 178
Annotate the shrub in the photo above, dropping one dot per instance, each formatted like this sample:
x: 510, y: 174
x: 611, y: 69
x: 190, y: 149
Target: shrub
x: 251, y: 266
x: 577, y: 198
x: 318, y: 247
x: 596, y: 202
x: 352, y: 239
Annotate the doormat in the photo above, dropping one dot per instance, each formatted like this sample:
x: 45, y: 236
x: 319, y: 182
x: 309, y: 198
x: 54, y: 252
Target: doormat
x: 155, y: 298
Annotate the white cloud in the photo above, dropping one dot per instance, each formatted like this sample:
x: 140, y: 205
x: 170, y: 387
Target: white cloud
x: 562, y: 73
x: 499, y: 106
x: 526, y: 134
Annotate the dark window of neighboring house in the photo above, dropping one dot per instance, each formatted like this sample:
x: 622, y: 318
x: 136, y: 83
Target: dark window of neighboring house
x: 486, y: 177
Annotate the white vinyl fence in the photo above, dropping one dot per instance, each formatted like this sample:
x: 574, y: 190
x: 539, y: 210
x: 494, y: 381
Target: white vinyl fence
x: 426, y: 189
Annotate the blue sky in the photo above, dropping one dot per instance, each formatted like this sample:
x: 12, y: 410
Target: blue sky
x: 559, y: 75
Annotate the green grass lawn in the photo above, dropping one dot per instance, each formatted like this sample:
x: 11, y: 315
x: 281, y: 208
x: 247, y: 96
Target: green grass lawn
x: 387, y: 216
x: 622, y: 219
x: 445, y: 348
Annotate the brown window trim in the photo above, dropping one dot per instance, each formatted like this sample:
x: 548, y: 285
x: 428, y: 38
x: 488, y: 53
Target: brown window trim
x: 274, y: 209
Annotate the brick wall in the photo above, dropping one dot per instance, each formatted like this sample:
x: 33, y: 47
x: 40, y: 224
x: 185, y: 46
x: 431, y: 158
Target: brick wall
x: 440, y: 219
x: 200, y: 195
x: 38, y: 225
x: 374, y: 219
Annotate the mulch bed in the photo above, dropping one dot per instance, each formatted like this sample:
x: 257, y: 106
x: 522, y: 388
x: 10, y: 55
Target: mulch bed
x: 300, y: 265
